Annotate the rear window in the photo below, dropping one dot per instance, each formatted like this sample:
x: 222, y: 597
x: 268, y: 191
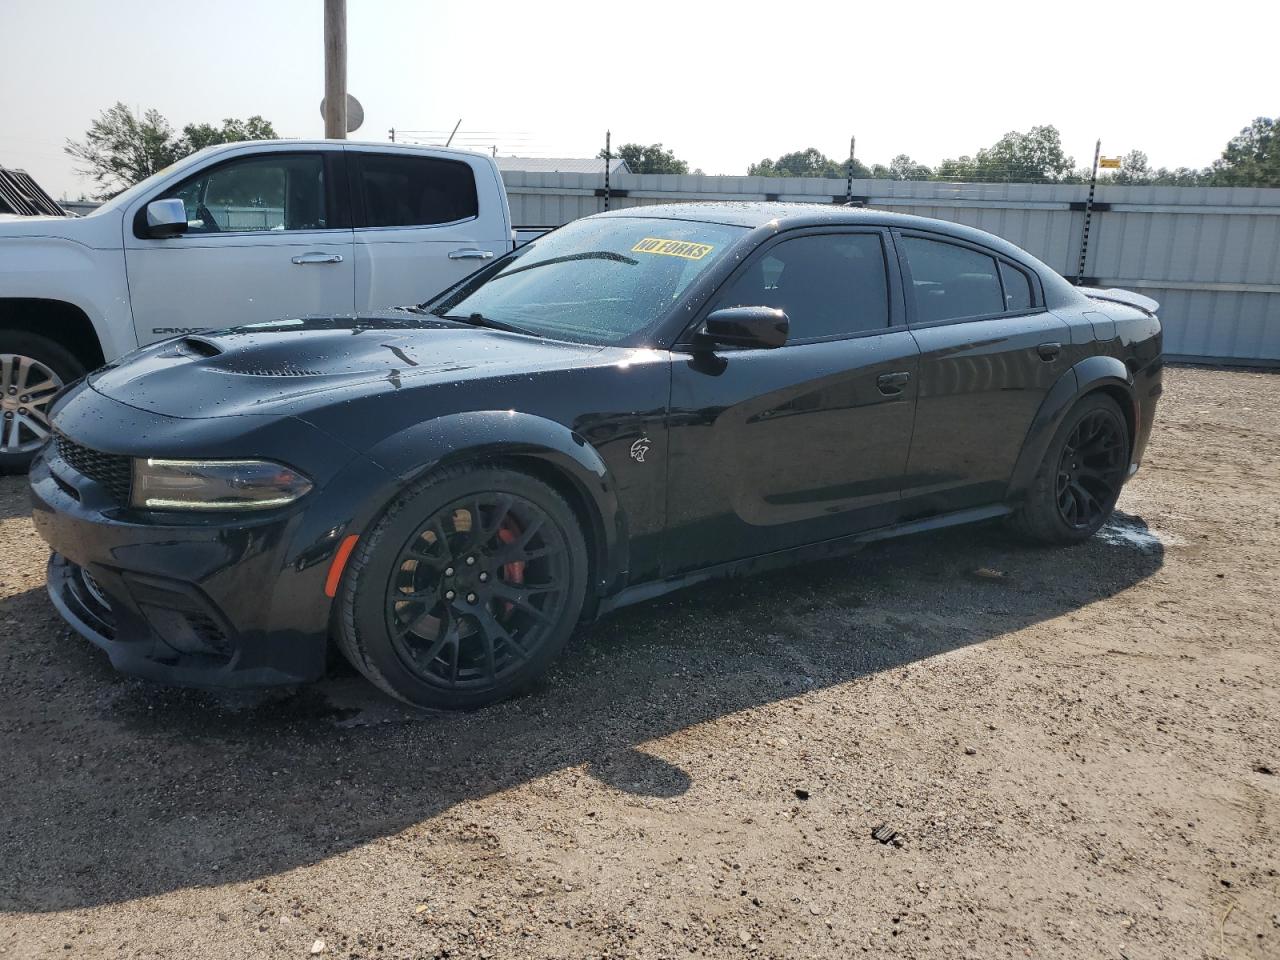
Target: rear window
x: 408, y: 191
x: 951, y: 282
x: 1017, y: 288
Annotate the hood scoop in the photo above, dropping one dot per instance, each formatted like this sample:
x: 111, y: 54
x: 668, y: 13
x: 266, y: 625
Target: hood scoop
x: 197, y: 347
x: 276, y: 372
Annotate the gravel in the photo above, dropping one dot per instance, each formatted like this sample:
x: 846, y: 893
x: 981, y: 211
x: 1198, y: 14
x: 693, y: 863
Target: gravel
x: 1075, y: 750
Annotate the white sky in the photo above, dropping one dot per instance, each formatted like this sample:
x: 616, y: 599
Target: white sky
x: 724, y: 84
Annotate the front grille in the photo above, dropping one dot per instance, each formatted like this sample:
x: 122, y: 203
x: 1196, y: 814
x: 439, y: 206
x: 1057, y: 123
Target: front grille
x: 93, y: 603
x: 209, y: 633
x: 111, y: 470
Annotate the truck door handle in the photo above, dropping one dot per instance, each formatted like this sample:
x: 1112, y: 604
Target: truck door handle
x: 891, y: 384
x: 317, y: 257
x: 1049, y: 351
x: 470, y: 253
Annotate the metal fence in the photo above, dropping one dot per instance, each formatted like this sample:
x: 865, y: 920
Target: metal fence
x: 1210, y: 255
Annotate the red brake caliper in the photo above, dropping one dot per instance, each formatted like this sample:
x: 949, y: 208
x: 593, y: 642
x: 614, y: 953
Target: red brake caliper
x: 512, y: 572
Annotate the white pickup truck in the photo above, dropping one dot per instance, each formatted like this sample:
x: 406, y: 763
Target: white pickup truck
x: 234, y: 234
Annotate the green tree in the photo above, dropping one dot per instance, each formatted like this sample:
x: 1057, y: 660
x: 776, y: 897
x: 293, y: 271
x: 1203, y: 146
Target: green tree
x: 1032, y: 157
x: 120, y: 148
x: 902, y: 167
x: 1182, y: 177
x: 197, y: 136
x: 811, y: 162
x: 1135, y: 168
x: 960, y: 168
x: 649, y: 159
x: 1252, y: 157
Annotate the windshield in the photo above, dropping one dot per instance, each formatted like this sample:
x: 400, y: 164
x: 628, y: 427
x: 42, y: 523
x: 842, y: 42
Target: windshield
x: 596, y: 281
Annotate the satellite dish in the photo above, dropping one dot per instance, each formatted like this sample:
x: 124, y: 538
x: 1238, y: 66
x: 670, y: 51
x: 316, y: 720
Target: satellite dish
x: 355, y: 113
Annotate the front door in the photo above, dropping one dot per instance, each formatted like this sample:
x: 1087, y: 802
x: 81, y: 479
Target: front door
x: 259, y: 246
x: 771, y: 449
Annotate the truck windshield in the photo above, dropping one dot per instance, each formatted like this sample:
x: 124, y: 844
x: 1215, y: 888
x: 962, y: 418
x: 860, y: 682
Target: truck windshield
x: 593, y: 281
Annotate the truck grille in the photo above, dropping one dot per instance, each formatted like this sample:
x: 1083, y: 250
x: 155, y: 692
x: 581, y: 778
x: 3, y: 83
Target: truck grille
x: 111, y: 470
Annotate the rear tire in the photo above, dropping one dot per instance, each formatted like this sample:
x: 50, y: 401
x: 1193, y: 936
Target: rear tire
x: 466, y: 589
x: 1078, y: 483
x: 32, y: 371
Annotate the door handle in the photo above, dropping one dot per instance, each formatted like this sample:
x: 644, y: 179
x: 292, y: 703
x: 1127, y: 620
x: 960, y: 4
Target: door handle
x: 317, y: 257
x: 470, y: 253
x: 891, y: 384
x: 1049, y: 351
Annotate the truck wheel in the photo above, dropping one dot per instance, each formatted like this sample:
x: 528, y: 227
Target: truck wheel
x: 32, y: 370
x: 1079, y: 480
x: 465, y: 590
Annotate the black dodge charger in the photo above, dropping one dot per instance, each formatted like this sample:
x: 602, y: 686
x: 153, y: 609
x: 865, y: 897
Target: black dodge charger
x: 635, y: 402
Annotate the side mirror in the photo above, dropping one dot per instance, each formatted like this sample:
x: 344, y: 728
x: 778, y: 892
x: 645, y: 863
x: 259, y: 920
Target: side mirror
x: 166, y: 218
x: 759, y: 327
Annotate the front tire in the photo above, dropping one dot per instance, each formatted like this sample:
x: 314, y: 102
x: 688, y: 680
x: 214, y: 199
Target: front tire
x: 1076, y: 488
x: 32, y: 371
x: 465, y: 590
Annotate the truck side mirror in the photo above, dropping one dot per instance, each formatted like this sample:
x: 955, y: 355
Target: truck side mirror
x: 759, y: 327
x: 166, y: 218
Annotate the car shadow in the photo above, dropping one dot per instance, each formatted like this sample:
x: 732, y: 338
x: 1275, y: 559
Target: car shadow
x: 118, y: 789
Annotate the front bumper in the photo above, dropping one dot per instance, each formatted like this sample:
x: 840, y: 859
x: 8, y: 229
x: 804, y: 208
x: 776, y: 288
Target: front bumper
x: 196, y: 601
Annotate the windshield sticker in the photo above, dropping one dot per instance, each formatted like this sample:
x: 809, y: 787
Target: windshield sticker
x: 684, y: 249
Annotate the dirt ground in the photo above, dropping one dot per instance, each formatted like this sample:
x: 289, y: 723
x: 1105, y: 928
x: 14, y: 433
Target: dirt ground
x: 1079, y: 750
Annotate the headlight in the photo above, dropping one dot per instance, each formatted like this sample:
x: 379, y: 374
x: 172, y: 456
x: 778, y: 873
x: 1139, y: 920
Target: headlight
x: 215, y: 484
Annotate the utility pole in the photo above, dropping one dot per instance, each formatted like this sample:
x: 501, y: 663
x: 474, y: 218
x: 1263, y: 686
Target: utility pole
x: 392, y: 131
x: 335, y: 69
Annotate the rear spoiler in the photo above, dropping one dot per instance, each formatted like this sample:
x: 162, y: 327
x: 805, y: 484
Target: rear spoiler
x: 1126, y: 297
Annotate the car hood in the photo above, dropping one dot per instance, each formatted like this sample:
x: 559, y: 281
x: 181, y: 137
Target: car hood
x: 292, y: 366
x: 100, y: 230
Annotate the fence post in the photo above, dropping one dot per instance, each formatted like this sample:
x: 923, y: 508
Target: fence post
x: 607, y: 158
x: 848, y: 187
x: 1088, y: 214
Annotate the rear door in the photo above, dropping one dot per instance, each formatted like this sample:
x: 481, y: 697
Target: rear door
x: 989, y: 352
x: 265, y: 239
x: 772, y: 449
x: 422, y: 222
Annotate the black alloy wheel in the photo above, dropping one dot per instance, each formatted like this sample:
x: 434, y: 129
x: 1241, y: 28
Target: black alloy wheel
x: 479, y: 597
x: 1091, y: 469
x: 476, y: 589
x: 1080, y: 477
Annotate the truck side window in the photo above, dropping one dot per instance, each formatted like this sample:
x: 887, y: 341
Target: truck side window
x: 276, y: 192
x: 408, y: 191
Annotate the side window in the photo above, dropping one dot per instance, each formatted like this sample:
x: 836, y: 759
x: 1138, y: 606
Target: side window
x: 950, y: 282
x: 829, y: 285
x: 277, y: 192
x: 407, y: 191
x: 1017, y: 287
